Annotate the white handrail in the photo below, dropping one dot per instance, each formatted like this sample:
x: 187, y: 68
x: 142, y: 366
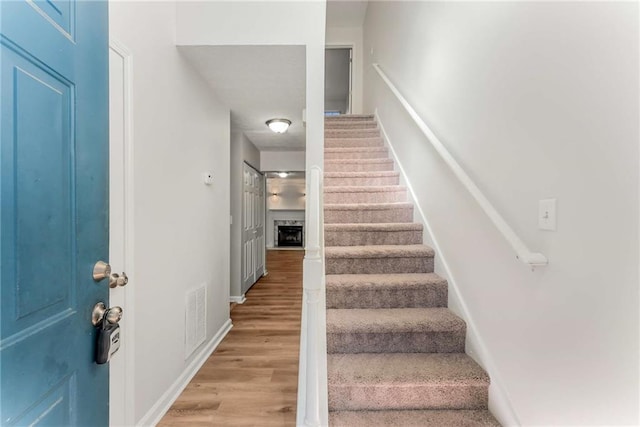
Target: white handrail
x: 312, y: 373
x: 534, y: 259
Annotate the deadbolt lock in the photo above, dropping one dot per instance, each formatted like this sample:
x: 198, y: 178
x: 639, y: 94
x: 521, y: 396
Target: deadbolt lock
x: 102, y: 270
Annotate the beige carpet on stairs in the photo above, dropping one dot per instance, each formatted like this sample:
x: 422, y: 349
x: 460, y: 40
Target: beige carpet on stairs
x: 396, y: 352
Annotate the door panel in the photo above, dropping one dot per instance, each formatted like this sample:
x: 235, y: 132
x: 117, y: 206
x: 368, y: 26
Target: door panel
x: 53, y: 217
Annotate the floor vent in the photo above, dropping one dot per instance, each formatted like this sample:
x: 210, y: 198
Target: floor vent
x: 195, y: 319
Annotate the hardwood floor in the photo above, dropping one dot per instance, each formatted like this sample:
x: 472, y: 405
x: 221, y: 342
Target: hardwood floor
x: 252, y: 377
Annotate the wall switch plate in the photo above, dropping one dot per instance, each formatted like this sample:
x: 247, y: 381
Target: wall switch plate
x: 547, y: 214
x: 208, y: 178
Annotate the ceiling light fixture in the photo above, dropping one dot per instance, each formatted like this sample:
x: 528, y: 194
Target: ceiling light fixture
x: 283, y: 174
x: 278, y: 125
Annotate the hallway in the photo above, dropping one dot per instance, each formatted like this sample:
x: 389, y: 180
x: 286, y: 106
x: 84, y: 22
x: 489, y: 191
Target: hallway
x: 251, y: 378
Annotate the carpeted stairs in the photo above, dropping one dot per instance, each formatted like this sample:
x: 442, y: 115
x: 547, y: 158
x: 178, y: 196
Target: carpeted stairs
x: 396, y: 352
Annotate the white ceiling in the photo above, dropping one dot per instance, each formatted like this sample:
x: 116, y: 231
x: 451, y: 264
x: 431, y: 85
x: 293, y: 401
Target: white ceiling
x: 257, y: 83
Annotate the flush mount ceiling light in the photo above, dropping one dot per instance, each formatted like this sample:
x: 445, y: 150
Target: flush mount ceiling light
x: 278, y: 125
x: 283, y: 174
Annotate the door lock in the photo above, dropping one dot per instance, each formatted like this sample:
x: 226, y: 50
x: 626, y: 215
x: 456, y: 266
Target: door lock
x: 102, y: 270
x: 108, y: 339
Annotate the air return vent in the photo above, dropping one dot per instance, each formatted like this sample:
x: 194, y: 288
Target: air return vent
x: 195, y: 319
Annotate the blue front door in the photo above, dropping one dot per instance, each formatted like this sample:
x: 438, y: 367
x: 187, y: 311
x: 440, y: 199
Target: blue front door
x: 54, y: 215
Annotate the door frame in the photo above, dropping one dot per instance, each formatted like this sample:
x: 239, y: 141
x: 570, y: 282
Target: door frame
x: 351, y: 48
x: 126, y: 375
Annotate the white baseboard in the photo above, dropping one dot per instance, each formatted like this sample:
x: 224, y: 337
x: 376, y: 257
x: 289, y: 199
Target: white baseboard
x: 238, y: 300
x: 500, y: 405
x: 157, y: 411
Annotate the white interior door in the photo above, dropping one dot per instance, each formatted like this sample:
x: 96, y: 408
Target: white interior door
x: 259, y: 212
x: 252, y: 227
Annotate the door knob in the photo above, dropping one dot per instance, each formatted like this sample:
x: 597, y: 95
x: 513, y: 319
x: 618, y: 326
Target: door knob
x: 114, y: 314
x: 116, y: 280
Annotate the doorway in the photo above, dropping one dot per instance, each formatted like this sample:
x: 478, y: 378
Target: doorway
x: 338, y: 73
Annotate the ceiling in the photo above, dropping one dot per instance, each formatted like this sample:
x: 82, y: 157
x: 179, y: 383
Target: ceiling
x: 259, y: 83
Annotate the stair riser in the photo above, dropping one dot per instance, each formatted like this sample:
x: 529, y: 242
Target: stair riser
x: 351, y: 133
x: 353, y: 142
x: 399, y: 195
x: 338, y: 216
x: 355, y: 124
x: 357, y: 166
x: 379, y: 180
x: 402, y: 396
x: 378, y: 265
x: 398, y: 342
x: 362, y: 238
x: 378, y: 154
x: 387, y: 298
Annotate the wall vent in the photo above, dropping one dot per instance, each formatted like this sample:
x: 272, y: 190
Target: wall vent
x: 195, y: 319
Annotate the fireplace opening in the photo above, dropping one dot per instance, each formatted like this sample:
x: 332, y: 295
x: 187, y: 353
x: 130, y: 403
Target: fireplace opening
x: 290, y: 235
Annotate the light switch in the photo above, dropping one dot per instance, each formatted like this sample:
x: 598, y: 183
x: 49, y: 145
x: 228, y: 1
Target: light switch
x: 547, y: 214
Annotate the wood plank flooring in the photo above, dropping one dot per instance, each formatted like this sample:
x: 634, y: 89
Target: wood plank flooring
x: 252, y: 377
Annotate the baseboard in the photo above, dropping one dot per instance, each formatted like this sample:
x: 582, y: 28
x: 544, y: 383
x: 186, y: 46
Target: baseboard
x: 238, y: 299
x: 157, y: 411
x: 500, y: 405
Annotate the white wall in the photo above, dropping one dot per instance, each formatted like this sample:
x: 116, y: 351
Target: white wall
x: 267, y: 23
x: 535, y: 100
x: 179, y: 132
x: 284, y: 161
x: 346, y: 36
x: 242, y: 150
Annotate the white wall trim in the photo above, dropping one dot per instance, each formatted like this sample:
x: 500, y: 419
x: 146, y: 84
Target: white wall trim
x: 500, y: 402
x: 160, y: 408
x: 238, y: 299
x: 129, y: 266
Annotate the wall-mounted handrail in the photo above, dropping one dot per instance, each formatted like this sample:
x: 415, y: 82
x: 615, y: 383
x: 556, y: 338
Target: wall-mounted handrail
x: 534, y: 259
x: 312, y: 373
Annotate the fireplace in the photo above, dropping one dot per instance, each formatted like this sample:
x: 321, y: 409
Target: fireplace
x: 289, y: 234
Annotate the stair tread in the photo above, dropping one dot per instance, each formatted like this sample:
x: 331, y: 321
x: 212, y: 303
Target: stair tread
x: 360, y: 174
x: 413, y: 418
x: 408, y: 280
x: 379, y: 251
x: 404, y: 369
x: 355, y: 149
x: 346, y: 117
x: 358, y: 161
x: 384, y: 226
x: 369, y: 206
x: 393, y: 320
x: 368, y: 138
x: 364, y: 189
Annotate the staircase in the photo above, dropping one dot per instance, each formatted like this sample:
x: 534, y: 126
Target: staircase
x: 396, y: 352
